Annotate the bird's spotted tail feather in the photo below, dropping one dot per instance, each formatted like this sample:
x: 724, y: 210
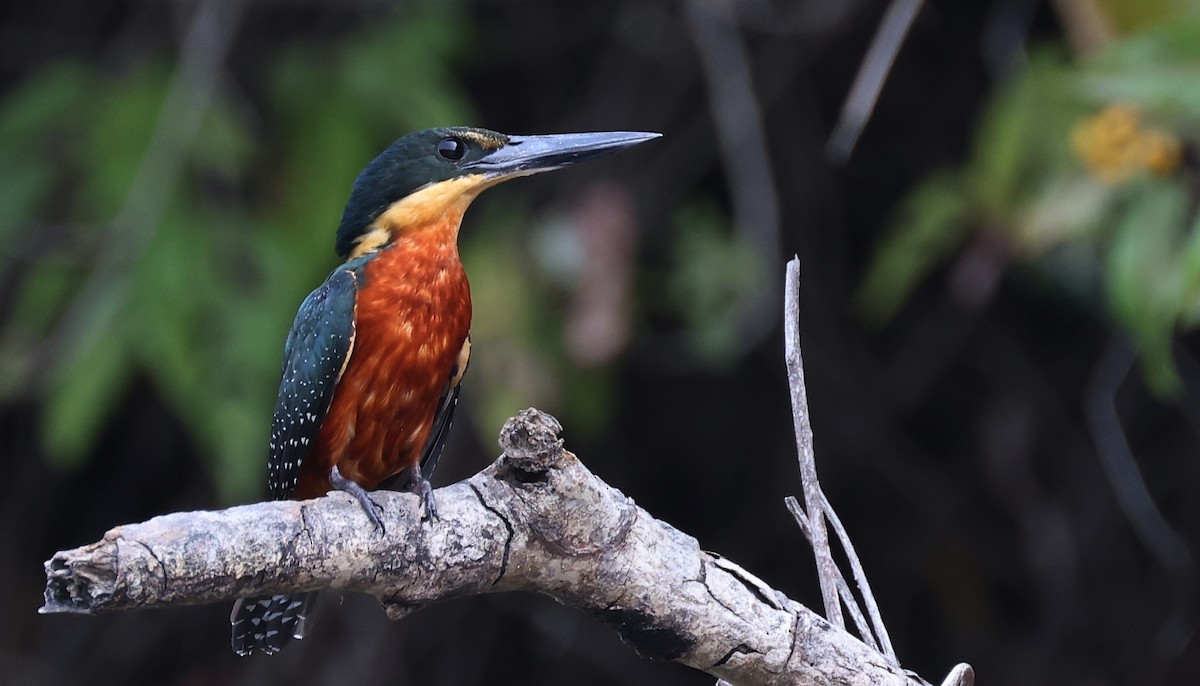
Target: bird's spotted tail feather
x: 266, y: 624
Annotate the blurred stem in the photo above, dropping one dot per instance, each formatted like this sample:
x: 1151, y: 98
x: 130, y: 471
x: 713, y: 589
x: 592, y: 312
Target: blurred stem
x: 1120, y: 467
x: 188, y: 97
x: 744, y: 152
x: 1087, y: 25
x: 876, y: 65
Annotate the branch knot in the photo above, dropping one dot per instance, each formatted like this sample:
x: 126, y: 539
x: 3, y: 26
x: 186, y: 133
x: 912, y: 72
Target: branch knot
x: 531, y: 441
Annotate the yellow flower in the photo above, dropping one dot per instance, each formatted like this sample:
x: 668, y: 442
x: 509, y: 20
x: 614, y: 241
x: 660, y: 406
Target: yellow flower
x: 1163, y: 153
x: 1114, y: 146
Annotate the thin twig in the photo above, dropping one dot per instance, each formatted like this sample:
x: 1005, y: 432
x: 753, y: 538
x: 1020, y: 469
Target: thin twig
x: 864, y: 93
x: 860, y: 579
x: 961, y: 675
x: 826, y: 569
x: 1087, y: 24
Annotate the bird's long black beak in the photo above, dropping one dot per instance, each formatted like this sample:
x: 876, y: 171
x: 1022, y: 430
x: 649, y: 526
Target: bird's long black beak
x: 524, y: 155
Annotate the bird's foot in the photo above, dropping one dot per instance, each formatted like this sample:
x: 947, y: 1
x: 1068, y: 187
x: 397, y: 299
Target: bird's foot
x: 418, y: 484
x: 360, y: 494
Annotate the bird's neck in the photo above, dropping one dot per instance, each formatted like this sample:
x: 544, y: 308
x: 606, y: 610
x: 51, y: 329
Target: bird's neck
x: 437, y: 208
x: 416, y: 269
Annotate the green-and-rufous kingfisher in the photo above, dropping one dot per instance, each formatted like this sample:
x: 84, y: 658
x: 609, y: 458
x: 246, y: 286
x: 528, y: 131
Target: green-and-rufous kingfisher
x: 374, y: 359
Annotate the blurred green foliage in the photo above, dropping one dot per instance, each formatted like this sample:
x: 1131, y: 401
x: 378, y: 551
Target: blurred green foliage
x: 1085, y: 168
x: 512, y: 363
x: 203, y: 308
x: 715, y: 274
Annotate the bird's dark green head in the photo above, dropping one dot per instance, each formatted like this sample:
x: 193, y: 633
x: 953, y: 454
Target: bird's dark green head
x: 427, y: 174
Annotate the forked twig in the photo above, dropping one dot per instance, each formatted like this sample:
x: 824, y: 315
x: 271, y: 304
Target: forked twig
x: 860, y: 622
x: 817, y: 509
x: 826, y: 569
x: 812, y: 518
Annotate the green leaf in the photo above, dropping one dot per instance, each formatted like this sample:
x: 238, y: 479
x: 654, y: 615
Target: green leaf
x: 408, y: 61
x: 43, y: 295
x: 1188, y: 284
x: 35, y: 117
x: 1127, y: 16
x: 123, y: 117
x: 1169, y: 88
x: 1069, y: 208
x: 715, y: 273
x: 223, y: 143
x: 28, y: 181
x: 235, y: 441
x: 1171, y: 40
x: 509, y: 369
x: 82, y: 400
x: 199, y: 335
x: 1142, y: 274
x: 1155, y: 68
x: 932, y: 223
x: 1001, y: 150
x: 328, y: 148
x: 49, y: 99
x: 1023, y: 138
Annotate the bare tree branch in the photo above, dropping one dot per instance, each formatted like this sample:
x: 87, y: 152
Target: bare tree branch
x: 536, y: 520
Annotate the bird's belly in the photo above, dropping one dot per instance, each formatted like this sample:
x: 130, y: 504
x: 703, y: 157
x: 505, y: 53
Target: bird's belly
x: 380, y: 418
x: 405, y: 348
x: 385, y: 419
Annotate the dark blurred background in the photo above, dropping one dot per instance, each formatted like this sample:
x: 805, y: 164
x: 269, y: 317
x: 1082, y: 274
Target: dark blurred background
x: 1000, y: 274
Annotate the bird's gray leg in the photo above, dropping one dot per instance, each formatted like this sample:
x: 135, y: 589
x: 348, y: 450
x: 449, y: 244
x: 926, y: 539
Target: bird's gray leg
x: 360, y: 494
x: 417, y: 483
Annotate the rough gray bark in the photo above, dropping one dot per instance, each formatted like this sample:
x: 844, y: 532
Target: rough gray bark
x: 535, y: 520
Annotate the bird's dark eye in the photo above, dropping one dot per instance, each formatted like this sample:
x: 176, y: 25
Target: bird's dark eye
x: 451, y: 149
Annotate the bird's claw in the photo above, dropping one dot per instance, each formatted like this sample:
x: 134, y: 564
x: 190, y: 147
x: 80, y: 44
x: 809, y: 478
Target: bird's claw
x: 420, y: 485
x: 371, y: 508
x: 373, y: 512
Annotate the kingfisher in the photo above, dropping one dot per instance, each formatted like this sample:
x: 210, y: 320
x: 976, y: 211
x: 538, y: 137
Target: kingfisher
x: 375, y: 358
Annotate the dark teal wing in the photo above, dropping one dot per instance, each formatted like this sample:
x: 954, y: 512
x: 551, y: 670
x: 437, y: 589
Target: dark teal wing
x: 315, y: 355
